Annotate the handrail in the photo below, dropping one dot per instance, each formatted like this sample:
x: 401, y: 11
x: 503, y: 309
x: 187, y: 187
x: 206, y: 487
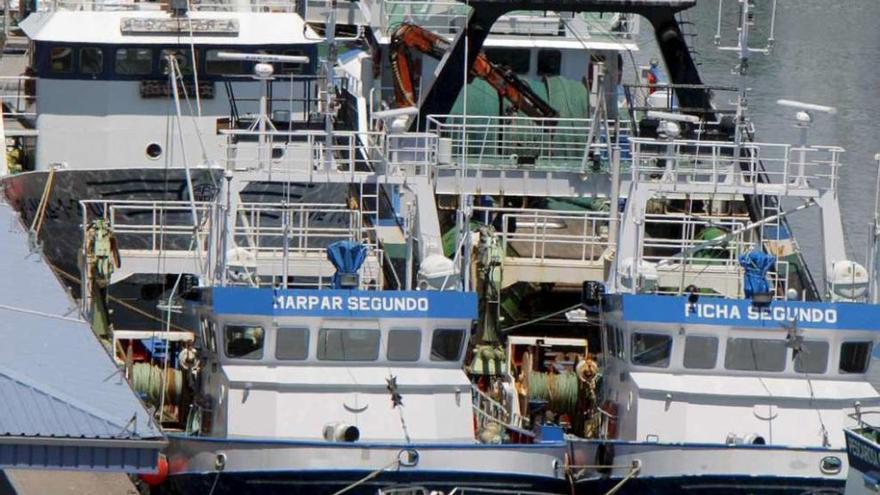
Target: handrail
x: 553, y: 144
x: 552, y: 234
x: 724, y: 163
x: 165, y: 228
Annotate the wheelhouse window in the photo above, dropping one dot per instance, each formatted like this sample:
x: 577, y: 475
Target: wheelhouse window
x: 446, y: 344
x: 183, y: 58
x: 651, y: 349
x: 337, y: 344
x: 812, y: 357
x: 854, y: 357
x: 700, y: 352
x: 292, y: 344
x: 216, y: 66
x: 91, y: 60
x: 61, y: 59
x: 549, y: 62
x: 516, y: 59
x: 755, y: 355
x: 404, y: 345
x: 244, y: 341
x: 134, y: 61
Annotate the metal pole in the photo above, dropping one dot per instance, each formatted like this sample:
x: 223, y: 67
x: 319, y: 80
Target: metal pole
x: 329, y: 85
x: 614, y: 219
x: 875, y: 235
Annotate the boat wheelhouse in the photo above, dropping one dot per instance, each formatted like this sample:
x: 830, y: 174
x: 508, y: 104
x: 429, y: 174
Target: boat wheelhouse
x: 310, y: 391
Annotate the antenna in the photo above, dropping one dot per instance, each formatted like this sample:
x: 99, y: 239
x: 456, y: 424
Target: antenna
x: 804, y: 118
x: 263, y: 71
x: 743, y: 50
x: 746, y: 22
x: 808, y: 107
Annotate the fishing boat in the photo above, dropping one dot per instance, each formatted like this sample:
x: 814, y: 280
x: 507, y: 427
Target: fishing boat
x: 321, y: 391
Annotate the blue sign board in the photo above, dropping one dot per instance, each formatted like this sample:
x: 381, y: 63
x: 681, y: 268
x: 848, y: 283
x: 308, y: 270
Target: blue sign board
x: 742, y: 313
x: 345, y: 303
x: 863, y: 455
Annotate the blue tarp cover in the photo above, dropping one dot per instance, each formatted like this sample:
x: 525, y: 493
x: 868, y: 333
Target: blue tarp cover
x: 347, y: 257
x: 756, y: 265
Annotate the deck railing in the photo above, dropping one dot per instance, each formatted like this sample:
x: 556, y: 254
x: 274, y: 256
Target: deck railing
x: 672, y: 242
x: 725, y: 163
x: 558, y: 144
x: 18, y: 97
x: 264, y: 233
x: 549, y: 234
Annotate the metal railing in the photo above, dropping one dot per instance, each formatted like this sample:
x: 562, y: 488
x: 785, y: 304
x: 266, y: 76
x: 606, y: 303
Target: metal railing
x: 298, y: 151
x: 549, y: 234
x: 557, y: 144
x: 18, y: 96
x: 444, y: 17
x: 151, y: 225
x: 679, y: 258
x: 283, y: 6
x: 489, y: 411
x: 412, y: 153
x: 723, y: 163
x: 351, y: 153
x: 309, y: 227
x: 266, y: 233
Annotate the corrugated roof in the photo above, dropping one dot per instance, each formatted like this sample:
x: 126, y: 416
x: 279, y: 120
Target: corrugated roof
x: 56, y: 379
x: 36, y: 412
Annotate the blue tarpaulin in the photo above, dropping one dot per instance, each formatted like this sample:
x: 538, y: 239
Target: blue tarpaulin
x: 347, y: 257
x: 756, y: 265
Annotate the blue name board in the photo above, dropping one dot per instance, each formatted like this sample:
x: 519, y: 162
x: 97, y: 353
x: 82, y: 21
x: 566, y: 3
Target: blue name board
x: 345, y: 303
x: 742, y: 313
x: 863, y: 455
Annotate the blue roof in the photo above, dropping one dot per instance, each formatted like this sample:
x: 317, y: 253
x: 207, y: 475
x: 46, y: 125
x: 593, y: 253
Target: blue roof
x: 56, y: 379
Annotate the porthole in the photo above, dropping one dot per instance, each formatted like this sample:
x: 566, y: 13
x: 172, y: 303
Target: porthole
x: 154, y: 151
x: 277, y: 153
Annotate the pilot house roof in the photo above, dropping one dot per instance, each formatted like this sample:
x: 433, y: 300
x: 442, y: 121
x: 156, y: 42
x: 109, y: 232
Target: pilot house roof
x: 158, y: 27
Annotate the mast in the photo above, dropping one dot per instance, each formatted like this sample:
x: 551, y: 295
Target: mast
x: 329, y: 84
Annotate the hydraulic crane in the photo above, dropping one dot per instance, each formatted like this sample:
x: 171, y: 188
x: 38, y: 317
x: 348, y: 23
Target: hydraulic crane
x: 409, y: 37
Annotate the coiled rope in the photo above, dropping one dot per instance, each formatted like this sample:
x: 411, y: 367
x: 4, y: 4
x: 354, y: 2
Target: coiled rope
x: 558, y: 390
x: 146, y: 379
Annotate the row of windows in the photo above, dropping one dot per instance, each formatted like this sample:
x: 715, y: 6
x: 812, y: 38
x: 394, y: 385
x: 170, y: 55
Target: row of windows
x: 336, y: 344
x: 140, y: 61
x: 747, y: 354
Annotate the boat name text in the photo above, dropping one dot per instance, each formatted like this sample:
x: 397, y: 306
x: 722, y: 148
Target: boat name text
x: 721, y: 311
x: 865, y: 452
x: 351, y: 303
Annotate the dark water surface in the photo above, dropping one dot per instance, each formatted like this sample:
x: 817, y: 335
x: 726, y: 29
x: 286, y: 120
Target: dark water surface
x: 826, y: 52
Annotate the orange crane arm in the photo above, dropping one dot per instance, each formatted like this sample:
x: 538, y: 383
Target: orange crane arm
x: 412, y: 37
